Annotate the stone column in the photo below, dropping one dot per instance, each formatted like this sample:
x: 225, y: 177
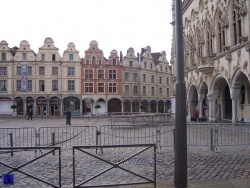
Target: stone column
x: 189, y: 115
x: 201, y: 97
x: 25, y: 107
x: 234, y: 110
x: 212, y: 106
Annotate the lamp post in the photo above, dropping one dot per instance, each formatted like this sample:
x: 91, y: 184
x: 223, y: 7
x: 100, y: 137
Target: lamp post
x: 180, y: 174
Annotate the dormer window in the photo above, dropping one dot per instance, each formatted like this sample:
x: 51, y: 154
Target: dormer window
x: 114, y: 61
x: 3, y: 56
x: 24, y: 56
x: 43, y: 57
x: 131, y: 63
x: 71, y: 57
x: 53, y: 57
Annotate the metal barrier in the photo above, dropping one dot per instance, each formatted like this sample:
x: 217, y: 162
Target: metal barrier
x: 232, y: 134
x: 112, y: 167
x: 135, y: 118
x: 127, y: 134
x: 69, y: 136
x: 21, y: 164
x: 18, y: 137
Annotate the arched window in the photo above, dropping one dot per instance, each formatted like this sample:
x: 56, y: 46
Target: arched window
x: 236, y: 23
x: 209, y: 40
x: 93, y: 60
x: 221, y: 34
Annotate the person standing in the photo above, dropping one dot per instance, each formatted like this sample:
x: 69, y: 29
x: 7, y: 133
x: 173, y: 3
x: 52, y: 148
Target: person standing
x: 68, y: 117
x: 30, y: 114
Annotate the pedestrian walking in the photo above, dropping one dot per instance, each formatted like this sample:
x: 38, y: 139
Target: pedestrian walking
x: 68, y: 117
x: 30, y: 114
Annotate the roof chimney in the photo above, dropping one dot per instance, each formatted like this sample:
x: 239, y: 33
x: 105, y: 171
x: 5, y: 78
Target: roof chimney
x: 121, y: 56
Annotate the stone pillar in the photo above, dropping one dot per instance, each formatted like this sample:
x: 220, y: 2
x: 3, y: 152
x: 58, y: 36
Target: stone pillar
x: 35, y: 107
x: 212, y: 106
x: 201, y: 97
x: 189, y: 115
x: 122, y: 110
x: 81, y: 111
x: 234, y: 110
x: 25, y: 107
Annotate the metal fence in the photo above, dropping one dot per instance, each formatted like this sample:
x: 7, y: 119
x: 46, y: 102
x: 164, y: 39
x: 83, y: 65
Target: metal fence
x: 114, y: 169
x: 17, y: 137
x: 232, y: 134
x: 18, y: 166
x: 198, y: 134
x: 69, y: 136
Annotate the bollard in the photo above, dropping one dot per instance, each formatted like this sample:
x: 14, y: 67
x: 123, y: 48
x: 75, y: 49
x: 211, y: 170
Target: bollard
x: 158, y: 140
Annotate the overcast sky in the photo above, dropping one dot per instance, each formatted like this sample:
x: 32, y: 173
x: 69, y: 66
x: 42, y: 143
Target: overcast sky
x: 114, y: 24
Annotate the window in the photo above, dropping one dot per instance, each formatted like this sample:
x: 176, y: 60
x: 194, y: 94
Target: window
x: 152, y: 79
x: 24, y: 56
x: 126, y: 89
x: 114, y: 61
x: 152, y: 91
x: 71, y: 71
x: 126, y: 76
x: 131, y: 63
x: 135, y: 77
x: 71, y: 85
x: 237, y: 33
x: 100, y: 74
x: 88, y: 74
x: 88, y: 87
x: 29, y: 70
x: 41, y: 70
x: 18, y: 70
x: 209, y: 41
x: 221, y: 34
x: 53, y: 57
x: 167, y: 81
x: 144, y: 90
x: 151, y: 66
x: 166, y: 69
x: 43, y: 57
x: 112, y: 74
x: 3, y: 56
x: 112, y: 87
x: 29, y: 85
x: 161, y: 68
x: 135, y: 90
x: 145, y: 65
x: 54, y: 85
x: 71, y: 57
x: 167, y: 91
x: 144, y: 78
x: 87, y: 62
x: 160, y: 80
x: 100, y: 87
x: 3, y: 85
x: 93, y: 60
x: 41, y: 85
x: 100, y: 61
x: 160, y: 92
x: 54, y: 71
x: 3, y: 71
x: 18, y: 85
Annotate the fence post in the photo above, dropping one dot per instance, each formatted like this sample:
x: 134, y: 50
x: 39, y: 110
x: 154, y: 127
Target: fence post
x: 53, y: 141
x: 98, y: 142
x: 158, y: 140
x: 11, y: 144
x: 212, y: 139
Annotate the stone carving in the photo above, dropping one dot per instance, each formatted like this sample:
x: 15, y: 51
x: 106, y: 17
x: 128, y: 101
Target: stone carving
x: 245, y: 65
